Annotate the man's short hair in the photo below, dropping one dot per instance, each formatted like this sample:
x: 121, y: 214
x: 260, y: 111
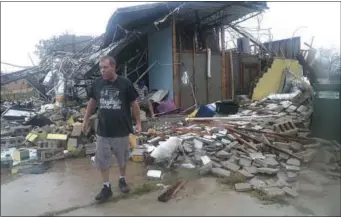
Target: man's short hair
x: 110, y: 58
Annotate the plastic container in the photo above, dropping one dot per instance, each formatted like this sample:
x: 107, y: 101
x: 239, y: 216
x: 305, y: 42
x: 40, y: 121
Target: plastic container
x: 227, y: 107
x: 206, y: 111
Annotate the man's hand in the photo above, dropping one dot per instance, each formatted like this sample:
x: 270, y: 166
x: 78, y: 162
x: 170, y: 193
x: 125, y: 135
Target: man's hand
x: 138, y: 128
x: 136, y: 111
x: 85, y: 126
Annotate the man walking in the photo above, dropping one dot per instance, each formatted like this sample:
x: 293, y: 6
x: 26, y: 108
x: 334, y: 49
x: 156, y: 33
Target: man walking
x: 114, y: 96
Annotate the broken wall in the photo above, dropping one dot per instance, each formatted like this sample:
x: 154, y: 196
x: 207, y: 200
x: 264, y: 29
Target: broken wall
x: 160, y: 50
x: 245, y: 69
x: 18, y: 89
x: 206, y: 89
x: 287, y: 48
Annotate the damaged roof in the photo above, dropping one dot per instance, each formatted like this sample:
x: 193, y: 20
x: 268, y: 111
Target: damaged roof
x: 137, y: 20
x: 13, y: 76
x: 128, y: 23
x: 208, y: 13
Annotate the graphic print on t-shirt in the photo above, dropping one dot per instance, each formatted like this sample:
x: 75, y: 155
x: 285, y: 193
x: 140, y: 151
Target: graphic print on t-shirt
x: 109, y: 98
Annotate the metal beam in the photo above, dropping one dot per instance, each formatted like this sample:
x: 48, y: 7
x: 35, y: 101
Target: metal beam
x: 217, y: 22
x: 247, y: 17
x: 247, y: 35
x: 208, y: 17
x: 223, y: 64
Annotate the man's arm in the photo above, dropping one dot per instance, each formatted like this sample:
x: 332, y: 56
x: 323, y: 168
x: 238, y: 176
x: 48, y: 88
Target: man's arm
x: 90, y: 109
x: 136, y: 111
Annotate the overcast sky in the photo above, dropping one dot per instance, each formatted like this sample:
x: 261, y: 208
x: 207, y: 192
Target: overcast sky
x: 23, y: 24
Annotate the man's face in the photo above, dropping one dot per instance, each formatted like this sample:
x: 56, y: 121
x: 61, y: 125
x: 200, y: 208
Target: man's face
x: 107, y: 69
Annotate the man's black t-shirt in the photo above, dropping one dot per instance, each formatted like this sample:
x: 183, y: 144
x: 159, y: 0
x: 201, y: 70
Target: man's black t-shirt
x: 113, y: 100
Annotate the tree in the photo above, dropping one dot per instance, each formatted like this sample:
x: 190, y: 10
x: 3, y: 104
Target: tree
x: 329, y: 64
x: 46, y: 47
x: 65, y: 42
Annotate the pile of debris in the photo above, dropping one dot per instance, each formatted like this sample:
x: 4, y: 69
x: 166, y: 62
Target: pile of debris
x: 41, y: 135
x: 267, y: 144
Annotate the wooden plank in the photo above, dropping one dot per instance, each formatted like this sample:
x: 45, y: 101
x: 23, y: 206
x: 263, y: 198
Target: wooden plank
x: 266, y: 142
x: 176, y: 75
x: 179, y: 67
x: 223, y: 65
x: 201, y: 78
x: 193, y: 75
x: 206, y: 74
x: 228, y: 74
x: 232, y: 75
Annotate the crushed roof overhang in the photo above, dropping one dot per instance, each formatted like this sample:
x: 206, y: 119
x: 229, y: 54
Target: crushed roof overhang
x: 140, y: 19
x: 135, y: 17
x: 13, y: 76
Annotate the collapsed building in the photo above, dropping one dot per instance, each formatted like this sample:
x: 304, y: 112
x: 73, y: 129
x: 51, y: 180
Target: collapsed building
x: 178, y: 49
x: 168, y: 43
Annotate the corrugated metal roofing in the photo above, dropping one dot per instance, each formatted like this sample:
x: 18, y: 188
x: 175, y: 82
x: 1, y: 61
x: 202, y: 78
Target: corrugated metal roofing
x: 136, y: 17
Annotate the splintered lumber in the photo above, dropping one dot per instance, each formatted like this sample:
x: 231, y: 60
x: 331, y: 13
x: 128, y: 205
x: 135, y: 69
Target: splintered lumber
x: 273, y: 134
x: 240, y: 139
x: 230, y: 118
x: 266, y: 142
x: 171, y: 191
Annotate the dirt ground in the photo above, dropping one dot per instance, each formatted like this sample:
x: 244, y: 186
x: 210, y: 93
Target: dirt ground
x: 69, y: 187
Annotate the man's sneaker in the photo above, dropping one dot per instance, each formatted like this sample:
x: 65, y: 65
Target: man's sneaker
x: 104, y: 194
x: 123, y: 186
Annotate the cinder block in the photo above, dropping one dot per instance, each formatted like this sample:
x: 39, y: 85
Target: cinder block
x: 290, y: 192
x: 216, y: 164
x: 221, y: 172
x: 244, y: 162
x: 268, y: 171
x: 294, y: 162
x: 245, y: 174
x: 242, y: 187
x: 260, y: 162
x: 257, y: 183
x: 76, y: 131
x: 271, y: 162
x: 295, y: 146
x: 21, y: 130
x: 230, y: 166
x: 50, y: 154
x: 223, y: 155
x: 12, y: 142
x: 302, y: 109
x: 291, y: 108
x: 273, y: 192
x: 292, y: 168
x: 251, y: 169
x: 72, y: 144
x: 21, y: 154
x: 286, y: 128
x: 291, y: 176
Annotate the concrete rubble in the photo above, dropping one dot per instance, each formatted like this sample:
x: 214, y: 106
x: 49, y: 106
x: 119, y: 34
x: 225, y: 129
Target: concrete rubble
x: 268, y: 153
x: 266, y: 143
x: 50, y: 133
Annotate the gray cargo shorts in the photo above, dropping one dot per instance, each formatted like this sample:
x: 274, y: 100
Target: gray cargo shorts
x: 106, y: 146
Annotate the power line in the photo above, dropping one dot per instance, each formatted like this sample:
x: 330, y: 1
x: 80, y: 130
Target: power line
x: 10, y: 64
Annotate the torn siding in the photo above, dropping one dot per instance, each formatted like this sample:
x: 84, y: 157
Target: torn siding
x: 287, y: 48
